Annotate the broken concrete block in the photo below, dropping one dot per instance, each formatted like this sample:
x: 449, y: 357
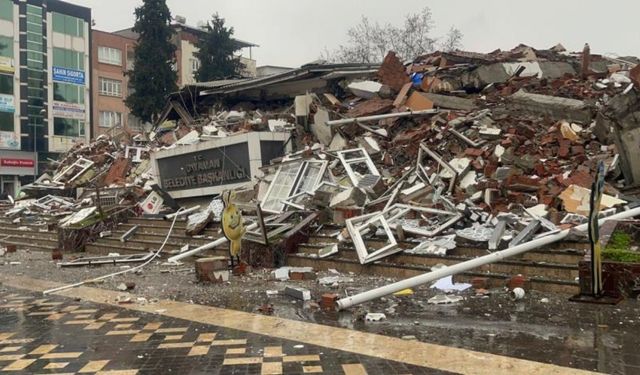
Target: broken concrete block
x: 450, y: 102
x: 365, y: 89
x: 555, y: 107
x: 624, y: 113
x: 320, y: 129
x: 349, y: 198
x: 338, y: 143
x: 189, y: 139
x: 214, y: 269
x: 418, y: 102
x: 298, y: 293
x: 371, y: 107
x: 576, y: 200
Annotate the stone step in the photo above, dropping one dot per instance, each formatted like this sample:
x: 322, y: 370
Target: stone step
x: 152, y: 237
x: 148, y: 228
x: 34, y: 233
x: 508, y: 266
x: 547, y: 256
x: 31, y: 245
x: 104, y: 249
x: 402, y: 271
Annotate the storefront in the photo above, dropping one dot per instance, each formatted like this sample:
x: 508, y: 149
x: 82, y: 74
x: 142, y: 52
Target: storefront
x: 209, y: 167
x: 13, y: 166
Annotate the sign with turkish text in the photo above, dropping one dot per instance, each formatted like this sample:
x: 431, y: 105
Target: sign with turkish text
x: 213, y: 167
x: 7, y: 103
x: 6, y: 65
x: 67, y: 75
x: 9, y: 140
x: 17, y: 163
x: 69, y: 110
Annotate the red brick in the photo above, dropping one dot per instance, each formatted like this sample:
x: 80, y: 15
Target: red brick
x: 475, y: 152
x: 392, y: 72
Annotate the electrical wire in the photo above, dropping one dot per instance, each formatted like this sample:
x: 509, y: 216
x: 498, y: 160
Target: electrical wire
x: 155, y: 255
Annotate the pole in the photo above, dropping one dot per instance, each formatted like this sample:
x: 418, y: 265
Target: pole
x: 470, y: 264
x: 210, y: 245
x: 381, y: 117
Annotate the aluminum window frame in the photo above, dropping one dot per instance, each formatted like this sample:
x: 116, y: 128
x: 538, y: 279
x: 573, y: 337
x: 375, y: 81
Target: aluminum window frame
x: 353, y: 175
x: 296, y: 186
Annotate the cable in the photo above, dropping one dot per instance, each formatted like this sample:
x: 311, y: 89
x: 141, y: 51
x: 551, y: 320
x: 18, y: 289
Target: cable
x: 155, y: 255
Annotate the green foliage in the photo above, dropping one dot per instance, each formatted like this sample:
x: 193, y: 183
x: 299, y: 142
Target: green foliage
x: 617, y: 249
x: 216, y: 49
x: 153, y: 76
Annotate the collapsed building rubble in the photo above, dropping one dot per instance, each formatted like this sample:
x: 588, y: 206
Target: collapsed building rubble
x: 496, y: 151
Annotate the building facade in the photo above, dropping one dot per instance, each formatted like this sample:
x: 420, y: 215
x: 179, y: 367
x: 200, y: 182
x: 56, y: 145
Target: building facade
x: 45, y: 101
x: 112, y: 57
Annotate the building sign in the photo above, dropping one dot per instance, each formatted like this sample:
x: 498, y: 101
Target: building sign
x: 6, y: 103
x: 6, y: 65
x: 67, y: 75
x: 213, y: 167
x: 17, y: 163
x: 9, y: 140
x: 69, y: 110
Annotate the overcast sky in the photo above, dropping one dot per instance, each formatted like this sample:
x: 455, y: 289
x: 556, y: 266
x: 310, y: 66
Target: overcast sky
x: 294, y: 32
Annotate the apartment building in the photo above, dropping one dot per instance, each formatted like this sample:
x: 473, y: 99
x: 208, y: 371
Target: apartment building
x: 112, y: 57
x: 45, y: 85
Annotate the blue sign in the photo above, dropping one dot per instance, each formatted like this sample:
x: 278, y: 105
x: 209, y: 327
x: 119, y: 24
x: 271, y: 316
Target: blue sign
x: 67, y: 75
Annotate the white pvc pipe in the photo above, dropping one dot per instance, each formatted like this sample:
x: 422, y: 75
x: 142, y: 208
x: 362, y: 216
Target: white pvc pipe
x: 181, y: 213
x: 210, y: 245
x: 381, y: 117
x: 470, y: 264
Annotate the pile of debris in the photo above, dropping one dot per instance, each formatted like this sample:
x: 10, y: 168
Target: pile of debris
x: 486, y: 149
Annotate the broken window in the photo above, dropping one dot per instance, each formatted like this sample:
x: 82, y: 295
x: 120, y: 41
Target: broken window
x: 420, y: 221
x: 357, y: 164
x: 292, y: 179
x: 371, y: 224
x: 75, y: 170
x: 441, y: 171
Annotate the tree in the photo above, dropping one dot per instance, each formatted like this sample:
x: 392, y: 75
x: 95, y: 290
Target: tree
x: 216, y: 52
x: 153, y: 76
x: 369, y: 42
x: 452, y: 41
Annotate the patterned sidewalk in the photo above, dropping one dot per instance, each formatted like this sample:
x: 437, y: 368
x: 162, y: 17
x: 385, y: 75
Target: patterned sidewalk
x: 81, y: 332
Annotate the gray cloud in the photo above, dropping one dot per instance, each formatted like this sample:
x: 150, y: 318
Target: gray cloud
x: 294, y: 32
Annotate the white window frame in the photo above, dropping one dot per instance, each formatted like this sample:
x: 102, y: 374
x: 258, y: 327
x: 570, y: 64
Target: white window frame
x: 109, y: 119
x: 110, y: 55
x: 110, y: 87
x: 290, y: 180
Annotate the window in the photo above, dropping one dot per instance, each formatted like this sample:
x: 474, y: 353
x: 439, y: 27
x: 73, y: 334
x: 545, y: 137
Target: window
x: 6, y: 121
x: 195, y: 65
x: 110, y: 55
x: 6, y: 84
x: 6, y: 46
x: 68, y: 127
x: 68, y: 25
x: 6, y: 10
x: 65, y: 58
x: 109, y: 119
x: 110, y: 87
x: 65, y: 92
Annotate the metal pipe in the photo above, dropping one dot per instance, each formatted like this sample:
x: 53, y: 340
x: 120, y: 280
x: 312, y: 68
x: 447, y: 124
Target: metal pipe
x: 470, y: 264
x: 210, y: 245
x: 381, y: 117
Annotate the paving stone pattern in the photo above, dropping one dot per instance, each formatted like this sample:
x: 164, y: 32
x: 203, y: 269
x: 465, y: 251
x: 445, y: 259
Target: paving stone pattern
x: 57, y: 335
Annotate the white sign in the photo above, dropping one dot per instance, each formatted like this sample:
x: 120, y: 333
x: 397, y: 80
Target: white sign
x: 152, y: 204
x: 6, y: 103
x: 69, y: 110
x: 9, y: 140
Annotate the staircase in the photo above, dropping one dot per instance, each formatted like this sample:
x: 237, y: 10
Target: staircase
x: 553, y: 269
x: 29, y: 236
x: 150, y: 235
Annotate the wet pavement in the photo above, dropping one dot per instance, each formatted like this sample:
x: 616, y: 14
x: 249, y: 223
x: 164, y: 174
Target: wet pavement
x: 545, y: 328
x: 60, y: 335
